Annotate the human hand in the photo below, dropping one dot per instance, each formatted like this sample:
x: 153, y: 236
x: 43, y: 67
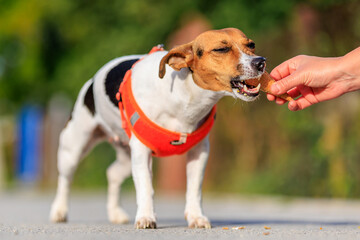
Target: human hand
x: 309, y: 80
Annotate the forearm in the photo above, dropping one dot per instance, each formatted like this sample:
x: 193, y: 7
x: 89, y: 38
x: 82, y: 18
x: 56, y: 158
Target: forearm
x: 349, y: 70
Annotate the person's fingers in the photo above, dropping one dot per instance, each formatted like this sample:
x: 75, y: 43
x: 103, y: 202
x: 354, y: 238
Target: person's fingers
x: 299, y: 104
x: 280, y: 101
x: 292, y: 93
x: 293, y: 106
x: 308, y: 98
x: 287, y: 83
x: 280, y: 71
x: 276, y: 74
x: 270, y: 97
x: 295, y: 92
x: 284, y: 69
x: 308, y: 94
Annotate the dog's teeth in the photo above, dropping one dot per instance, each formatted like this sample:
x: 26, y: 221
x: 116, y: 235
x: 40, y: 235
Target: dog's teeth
x: 245, y: 88
x: 258, y: 87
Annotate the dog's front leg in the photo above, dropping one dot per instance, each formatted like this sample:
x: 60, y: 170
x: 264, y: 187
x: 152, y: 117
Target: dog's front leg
x: 195, y: 168
x: 141, y: 163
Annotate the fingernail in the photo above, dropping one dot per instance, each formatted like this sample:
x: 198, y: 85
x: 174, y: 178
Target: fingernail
x: 275, y: 88
x: 293, y: 106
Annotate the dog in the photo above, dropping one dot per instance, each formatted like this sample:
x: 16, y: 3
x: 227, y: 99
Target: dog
x: 176, y: 90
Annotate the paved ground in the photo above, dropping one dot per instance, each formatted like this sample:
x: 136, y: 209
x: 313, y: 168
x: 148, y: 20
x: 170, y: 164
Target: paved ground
x: 24, y: 216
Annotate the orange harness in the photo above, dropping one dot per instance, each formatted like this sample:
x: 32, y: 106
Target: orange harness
x: 161, y: 141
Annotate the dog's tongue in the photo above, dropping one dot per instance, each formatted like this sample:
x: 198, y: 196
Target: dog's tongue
x: 266, y: 82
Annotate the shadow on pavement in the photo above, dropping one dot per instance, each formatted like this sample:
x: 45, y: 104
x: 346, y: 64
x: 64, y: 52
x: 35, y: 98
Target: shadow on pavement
x: 171, y: 223
x: 215, y: 222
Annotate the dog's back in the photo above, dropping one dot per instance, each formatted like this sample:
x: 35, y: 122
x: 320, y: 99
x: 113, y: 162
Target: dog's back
x: 98, y: 95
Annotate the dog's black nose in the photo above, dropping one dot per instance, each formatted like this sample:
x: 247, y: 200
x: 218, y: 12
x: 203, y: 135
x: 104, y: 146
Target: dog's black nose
x: 258, y: 63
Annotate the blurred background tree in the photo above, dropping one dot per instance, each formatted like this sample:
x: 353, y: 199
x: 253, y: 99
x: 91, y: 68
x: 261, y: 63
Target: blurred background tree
x: 52, y: 47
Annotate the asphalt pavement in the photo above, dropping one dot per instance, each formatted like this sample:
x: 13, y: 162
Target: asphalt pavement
x: 24, y: 215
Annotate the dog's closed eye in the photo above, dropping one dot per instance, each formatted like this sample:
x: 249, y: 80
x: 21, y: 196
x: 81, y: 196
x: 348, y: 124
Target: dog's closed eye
x: 222, y: 50
x: 251, y: 45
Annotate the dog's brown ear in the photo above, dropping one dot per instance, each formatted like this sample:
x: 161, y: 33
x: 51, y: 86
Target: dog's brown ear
x: 177, y: 58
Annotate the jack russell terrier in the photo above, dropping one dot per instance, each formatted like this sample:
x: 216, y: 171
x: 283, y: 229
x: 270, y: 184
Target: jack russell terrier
x: 174, y: 92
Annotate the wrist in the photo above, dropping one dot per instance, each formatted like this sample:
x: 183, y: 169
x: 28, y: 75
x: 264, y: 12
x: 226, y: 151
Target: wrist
x: 348, y: 69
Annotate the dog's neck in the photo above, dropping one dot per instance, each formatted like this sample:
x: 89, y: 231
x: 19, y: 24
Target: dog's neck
x: 174, y: 102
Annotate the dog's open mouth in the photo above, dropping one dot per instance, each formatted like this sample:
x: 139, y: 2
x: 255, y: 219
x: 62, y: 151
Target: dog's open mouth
x: 241, y: 89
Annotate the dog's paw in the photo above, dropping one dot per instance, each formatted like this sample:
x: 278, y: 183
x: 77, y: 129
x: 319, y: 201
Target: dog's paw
x: 145, y: 223
x: 58, y: 213
x: 118, y: 216
x: 198, y: 221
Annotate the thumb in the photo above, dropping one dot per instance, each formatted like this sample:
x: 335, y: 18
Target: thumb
x: 285, y: 84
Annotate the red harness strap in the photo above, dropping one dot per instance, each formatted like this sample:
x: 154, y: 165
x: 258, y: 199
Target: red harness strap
x: 160, y: 140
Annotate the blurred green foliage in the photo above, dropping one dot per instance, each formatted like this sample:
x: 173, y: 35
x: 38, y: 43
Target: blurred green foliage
x: 54, y: 46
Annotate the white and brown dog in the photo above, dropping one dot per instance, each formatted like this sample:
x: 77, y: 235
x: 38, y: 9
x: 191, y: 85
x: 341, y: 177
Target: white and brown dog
x: 216, y: 64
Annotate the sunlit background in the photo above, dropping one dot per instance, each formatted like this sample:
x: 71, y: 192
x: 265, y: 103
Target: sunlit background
x: 49, y: 49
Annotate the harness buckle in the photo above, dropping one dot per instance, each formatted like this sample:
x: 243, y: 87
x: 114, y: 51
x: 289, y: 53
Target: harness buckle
x: 182, y: 140
x: 159, y: 47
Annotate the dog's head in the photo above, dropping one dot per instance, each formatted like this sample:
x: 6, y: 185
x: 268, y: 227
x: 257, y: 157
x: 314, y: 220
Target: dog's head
x: 220, y: 60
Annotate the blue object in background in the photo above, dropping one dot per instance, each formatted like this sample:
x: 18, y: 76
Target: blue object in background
x: 29, y: 150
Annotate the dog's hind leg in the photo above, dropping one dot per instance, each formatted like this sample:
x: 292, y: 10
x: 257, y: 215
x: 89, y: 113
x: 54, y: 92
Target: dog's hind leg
x: 117, y: 172
x: 195, y: 168
x: 81, y: 133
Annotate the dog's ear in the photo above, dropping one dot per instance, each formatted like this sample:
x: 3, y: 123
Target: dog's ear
x: 177, y: 58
